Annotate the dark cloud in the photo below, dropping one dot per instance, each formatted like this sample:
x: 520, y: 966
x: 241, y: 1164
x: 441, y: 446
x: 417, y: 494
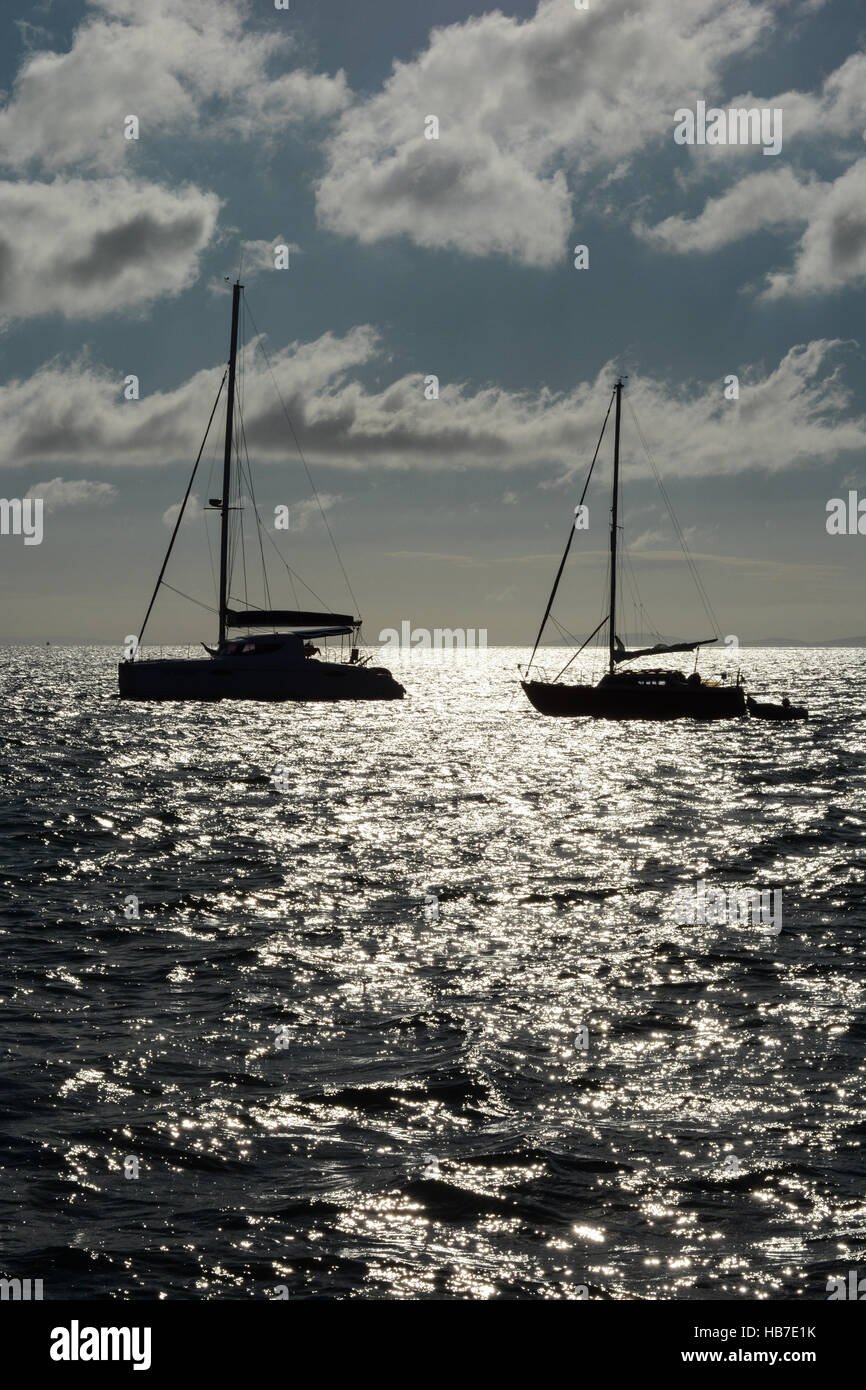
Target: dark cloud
x: 100, y: 246
x: 7, y: 261
x: 142, y: 238
x: 848, y: 238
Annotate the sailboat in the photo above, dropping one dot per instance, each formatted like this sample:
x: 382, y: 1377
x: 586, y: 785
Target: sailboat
x: 637, y: 693
x: 280, y: 664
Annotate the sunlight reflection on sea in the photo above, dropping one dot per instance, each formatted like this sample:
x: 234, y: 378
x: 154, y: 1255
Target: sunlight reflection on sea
x: 343, y: 1038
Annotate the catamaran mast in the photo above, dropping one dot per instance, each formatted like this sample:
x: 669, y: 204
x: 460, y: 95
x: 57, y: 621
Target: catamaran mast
x: 613, y: 518
x: 227, y: 462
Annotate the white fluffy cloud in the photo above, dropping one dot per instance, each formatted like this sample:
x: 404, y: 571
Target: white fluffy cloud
x: 822, y: 127
x: 827, y: 117
x: 831, y: 253
x: 192, y: 512
x: 187, y: 67
x: 84, y: 248
x: 59, y: 493
x: 772, y: 198
x: 798, y: 412
x: 831, y: 250
x: 535, y: 113
x: 310, y: 509
x: 519, y: 103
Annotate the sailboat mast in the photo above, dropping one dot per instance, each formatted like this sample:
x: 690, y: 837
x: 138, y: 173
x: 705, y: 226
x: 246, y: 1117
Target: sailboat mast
x: 227, y: 462
x: 613, y: 521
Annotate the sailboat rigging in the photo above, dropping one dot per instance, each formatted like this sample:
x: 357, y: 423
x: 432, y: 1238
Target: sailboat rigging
x: 277, y: 666
x: 634, y: 694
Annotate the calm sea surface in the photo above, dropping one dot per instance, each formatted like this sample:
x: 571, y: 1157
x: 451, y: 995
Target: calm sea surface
x: 413, y: 1017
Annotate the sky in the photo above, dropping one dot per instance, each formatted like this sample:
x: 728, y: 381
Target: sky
x: 453, y: 257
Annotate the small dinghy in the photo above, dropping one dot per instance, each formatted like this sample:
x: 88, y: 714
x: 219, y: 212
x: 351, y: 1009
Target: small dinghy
x: 783, y: 711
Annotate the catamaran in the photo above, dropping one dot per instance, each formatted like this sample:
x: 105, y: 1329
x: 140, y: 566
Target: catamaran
x: 639, y: 693
x: 281, y: 664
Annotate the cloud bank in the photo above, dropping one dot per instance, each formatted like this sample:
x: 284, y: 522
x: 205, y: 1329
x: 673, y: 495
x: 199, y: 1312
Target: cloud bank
x: 798, y: 411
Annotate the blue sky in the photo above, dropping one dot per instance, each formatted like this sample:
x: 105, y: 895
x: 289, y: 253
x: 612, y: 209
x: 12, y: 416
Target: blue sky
x: 452, y: 257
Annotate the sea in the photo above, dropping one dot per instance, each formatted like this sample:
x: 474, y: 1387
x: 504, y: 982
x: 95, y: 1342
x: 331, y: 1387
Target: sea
x: 399, y: 1001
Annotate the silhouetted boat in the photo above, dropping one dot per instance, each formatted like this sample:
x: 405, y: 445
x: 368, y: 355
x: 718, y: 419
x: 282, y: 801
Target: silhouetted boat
x: 636, y: 694
x: 769, y: 711
x: 280, y: 665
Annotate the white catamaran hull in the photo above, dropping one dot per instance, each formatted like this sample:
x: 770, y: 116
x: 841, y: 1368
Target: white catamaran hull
x: 217, y: 679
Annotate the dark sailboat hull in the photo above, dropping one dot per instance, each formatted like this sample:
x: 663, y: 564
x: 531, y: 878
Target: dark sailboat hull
x: 639, y: 701
x: 325, y: 681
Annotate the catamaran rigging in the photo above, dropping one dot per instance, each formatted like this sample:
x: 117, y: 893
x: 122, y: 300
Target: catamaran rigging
x: 281, y: 666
